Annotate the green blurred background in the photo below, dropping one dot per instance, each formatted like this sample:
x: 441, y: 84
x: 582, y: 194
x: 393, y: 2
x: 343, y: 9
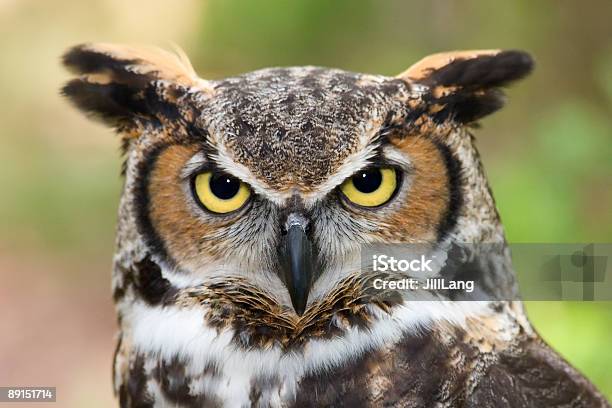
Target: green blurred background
x: 548, y: 153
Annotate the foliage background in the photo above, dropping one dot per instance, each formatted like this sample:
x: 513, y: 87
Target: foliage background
x: 548, y: 154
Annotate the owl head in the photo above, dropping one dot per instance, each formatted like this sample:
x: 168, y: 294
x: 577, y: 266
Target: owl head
x: 256, y: 192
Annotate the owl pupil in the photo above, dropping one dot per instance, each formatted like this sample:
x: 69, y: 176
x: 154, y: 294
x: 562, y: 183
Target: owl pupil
x: 224, y: 186
x: 367, y: 181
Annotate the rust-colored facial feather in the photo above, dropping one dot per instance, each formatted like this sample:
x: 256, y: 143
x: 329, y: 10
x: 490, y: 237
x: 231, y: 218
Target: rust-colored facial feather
x: 170, y: 210
x: 428, y: 198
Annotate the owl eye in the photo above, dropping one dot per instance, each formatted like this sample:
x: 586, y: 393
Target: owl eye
x: 219, y: 192
x: 371, y: 187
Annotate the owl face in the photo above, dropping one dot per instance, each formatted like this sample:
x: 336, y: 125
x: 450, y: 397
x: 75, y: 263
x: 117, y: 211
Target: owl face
x: 276, y: 177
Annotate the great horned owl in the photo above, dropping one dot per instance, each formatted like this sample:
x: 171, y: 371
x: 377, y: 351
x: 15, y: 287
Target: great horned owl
x: 237, y: 276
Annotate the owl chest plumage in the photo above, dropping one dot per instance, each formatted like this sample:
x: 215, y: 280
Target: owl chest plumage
x: 501, y: 363
x: 176, y: 358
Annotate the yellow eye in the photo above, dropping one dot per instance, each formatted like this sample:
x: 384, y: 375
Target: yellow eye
x: 219, y: 192
x: 371, y: 187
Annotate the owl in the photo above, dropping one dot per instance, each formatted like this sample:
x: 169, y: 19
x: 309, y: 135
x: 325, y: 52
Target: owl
x: 247, y: 202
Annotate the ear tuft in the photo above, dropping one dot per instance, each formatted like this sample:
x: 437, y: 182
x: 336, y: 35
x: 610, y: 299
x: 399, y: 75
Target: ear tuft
x: 128, y: 63
x: 114, y: 103
x: 466, y: 83
x: 119, y: 83
x: 484, y: 71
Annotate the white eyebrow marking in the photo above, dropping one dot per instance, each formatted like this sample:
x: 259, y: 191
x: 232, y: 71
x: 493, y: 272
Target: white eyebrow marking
x: 352, y: 164
x: 198, y: 160
x: 355, y: 163
x: 227, y: 164
x: 397, y: 157
x: 224, y: 160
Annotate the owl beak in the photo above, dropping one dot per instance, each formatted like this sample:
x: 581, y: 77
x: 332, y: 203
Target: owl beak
x: 296, y: 260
